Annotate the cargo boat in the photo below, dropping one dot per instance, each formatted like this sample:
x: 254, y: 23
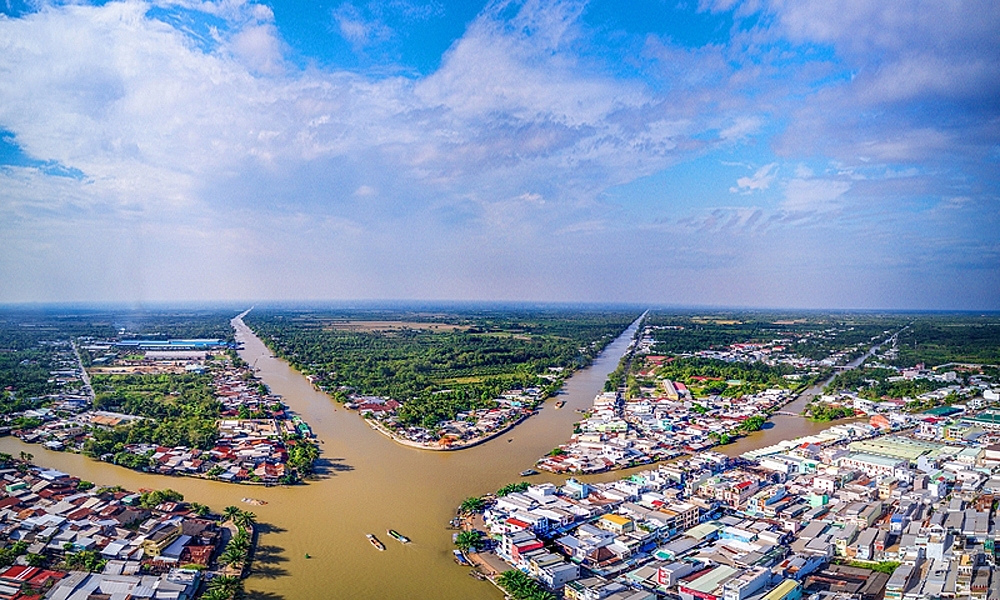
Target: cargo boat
x: 375, y: 541
x: 399, y: 537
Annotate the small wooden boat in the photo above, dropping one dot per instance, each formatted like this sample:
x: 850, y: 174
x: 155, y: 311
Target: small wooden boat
x: 307, y: 555
x: 560, y: 404
x: 375, y: 541
x: 459, y: 557
x: 399, y: 537
x: 254, y: 501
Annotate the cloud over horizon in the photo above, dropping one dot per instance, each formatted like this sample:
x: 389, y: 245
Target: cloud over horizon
x: 786, y: 154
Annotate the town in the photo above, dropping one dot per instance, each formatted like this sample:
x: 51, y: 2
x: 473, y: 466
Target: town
x: 897, y: 502
x: 852, y: 513
x: 72, y: 539
x: 139, y: 401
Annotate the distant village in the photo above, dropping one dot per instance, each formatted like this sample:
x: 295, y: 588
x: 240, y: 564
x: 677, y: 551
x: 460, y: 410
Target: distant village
x: 254, y: 432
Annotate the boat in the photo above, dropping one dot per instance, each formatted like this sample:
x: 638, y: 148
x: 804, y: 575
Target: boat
x: 460, y: 558
x: 375, y: 541
x: 399, y: 537
x: 528, y: 472
x: 254, y: 501
x: 560, y: 404
x: 307, y: 555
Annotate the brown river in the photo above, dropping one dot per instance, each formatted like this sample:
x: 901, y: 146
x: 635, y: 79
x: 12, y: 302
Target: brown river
x: 368, y: 483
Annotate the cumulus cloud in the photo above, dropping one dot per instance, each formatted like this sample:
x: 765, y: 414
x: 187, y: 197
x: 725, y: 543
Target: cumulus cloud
x: 760, y: 180
x: 511, y: 146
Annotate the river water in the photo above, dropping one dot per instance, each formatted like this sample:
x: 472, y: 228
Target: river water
x: 367, y: 484
x: 786, y: 427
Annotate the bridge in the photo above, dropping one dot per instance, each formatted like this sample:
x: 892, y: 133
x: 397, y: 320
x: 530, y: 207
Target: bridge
x: 786, y: 413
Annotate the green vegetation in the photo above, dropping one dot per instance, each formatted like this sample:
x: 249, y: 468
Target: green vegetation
x: 157, y: 497
x: 886, y: 566
x: 874, y: 384
x: 754, y: 423
x: 237, y: 551
x: 704, y: 376
x: 224, y: 587
x: 9, y: 554
x: 940, y: 339
x: 473, y: 504
x: 469, y: 540
x: 510, y: 488
x: 85, y: 560
x: 437, y: 364
x: 811, y: 335
x: 522, y: 587
x: 179, y: 410
x: 822, y: 411
x: 302, y: 455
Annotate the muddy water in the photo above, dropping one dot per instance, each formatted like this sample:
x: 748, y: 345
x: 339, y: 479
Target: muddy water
x: 368, y: 484
x: 782, y: 427
x: 787, y: 427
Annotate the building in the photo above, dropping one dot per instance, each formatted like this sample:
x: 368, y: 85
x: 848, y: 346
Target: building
x: 788, y: 589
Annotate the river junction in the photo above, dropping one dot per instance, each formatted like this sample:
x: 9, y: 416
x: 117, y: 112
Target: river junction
x: 368, y: 484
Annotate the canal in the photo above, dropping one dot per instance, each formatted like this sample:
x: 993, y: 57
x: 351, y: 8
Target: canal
x: 367, y: 484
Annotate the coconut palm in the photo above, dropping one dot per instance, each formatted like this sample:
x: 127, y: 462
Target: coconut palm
x: 232, y: 556
x: 244, y: 519
x: 230, y: 512
x: 229, y: 586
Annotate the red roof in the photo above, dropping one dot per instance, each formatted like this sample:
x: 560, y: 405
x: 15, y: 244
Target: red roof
x: 518, y: 523
x: 19, y: 573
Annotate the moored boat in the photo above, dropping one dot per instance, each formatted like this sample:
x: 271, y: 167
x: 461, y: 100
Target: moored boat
x: 399, y: 537
x: 375, y: 541
x: 459, y: 557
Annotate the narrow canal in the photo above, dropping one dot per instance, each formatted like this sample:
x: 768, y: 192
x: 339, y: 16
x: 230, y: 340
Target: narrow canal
x: 368, y: 484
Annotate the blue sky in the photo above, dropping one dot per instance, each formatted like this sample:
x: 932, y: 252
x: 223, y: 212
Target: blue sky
x: 815, y: 154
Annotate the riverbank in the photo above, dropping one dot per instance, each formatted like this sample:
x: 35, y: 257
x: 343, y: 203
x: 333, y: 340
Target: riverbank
x: 437, y: 446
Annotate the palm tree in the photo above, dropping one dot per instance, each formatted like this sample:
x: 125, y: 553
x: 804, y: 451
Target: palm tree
x: 229, y: 586
x: 232, y: 556
x: 230, y: 512
x: 244, y: 519
x: 240, y: 542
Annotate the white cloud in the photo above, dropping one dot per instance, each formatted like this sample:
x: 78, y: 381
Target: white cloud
x: 813, y: 194
x: 760, y: 180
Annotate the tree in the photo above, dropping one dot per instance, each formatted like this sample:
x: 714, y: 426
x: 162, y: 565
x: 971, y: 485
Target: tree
x: 469, y: 540
x: 510, y: 488
x: 230, y: 512
x: 522, y: 587
x: 199, y: 509
x: 245, y: 519
x: 35, y: 560
x: 232, y: 556
x: 226, y: 586
x: 473, y: 504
